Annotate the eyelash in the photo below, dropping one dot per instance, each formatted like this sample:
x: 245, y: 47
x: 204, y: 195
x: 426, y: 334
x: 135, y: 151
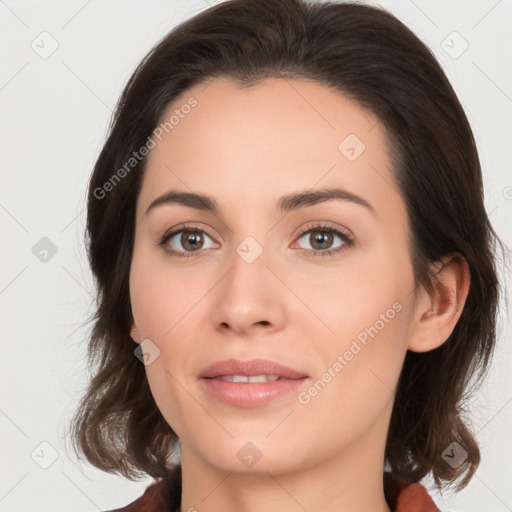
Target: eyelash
x: 348, y: 240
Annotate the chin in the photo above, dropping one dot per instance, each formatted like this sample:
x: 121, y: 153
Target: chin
x: 253, y: 455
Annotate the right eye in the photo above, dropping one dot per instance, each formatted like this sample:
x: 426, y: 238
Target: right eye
x: 190, y: 238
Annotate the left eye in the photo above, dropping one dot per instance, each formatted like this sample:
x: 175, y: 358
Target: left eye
x: 322, y: 238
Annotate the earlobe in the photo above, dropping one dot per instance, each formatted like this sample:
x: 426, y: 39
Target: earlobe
x: 134, y: 334
x: 437, y: 314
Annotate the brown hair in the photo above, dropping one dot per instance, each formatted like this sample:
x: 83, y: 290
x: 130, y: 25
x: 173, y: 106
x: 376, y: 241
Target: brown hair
x: 371, y: 57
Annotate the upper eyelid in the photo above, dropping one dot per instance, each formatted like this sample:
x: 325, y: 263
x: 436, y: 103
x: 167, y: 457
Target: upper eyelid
x: 327, y: 226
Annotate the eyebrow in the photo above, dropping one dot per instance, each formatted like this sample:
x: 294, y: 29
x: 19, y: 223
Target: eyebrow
x: 285, y: 203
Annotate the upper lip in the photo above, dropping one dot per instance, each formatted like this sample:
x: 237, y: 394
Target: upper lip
x: 251, y: 367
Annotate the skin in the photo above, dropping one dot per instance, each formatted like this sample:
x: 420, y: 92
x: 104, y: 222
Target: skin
x: 247, y: 147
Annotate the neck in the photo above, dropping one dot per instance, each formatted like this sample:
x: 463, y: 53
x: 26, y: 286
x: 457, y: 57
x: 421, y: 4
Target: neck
x: 351, y: 481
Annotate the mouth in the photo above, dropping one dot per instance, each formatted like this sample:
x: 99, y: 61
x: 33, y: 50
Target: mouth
x: 259, y: 368
x: 250, y: 383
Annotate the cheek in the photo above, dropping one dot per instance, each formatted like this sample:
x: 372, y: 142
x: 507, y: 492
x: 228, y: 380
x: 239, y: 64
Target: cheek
x: 161, y: 295
x: 361, y: 361
x: 368, y: 295
x: 162, y: 301
x: 369, y: 339
x: 160, y: 313
x: 362, y: 313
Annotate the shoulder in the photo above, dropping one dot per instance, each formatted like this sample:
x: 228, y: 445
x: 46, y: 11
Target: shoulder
x: 404, y: 496
x: 415, y: 498
x: 162, y: 495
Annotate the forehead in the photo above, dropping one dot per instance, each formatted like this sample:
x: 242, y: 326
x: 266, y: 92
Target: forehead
x: 279, y: 135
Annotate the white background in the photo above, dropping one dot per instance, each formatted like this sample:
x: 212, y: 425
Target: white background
x: 54, y: 116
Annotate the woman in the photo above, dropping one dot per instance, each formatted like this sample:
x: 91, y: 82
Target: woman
x: 295, y: 269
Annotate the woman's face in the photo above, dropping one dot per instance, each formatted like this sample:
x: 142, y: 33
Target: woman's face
x: 322, y: 284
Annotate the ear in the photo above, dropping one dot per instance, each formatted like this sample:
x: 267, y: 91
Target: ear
x: 437, y: 313
x: 134, y: 333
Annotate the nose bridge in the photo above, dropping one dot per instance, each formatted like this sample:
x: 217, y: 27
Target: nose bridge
x: 247, y: 277
x: 248, y: 293
x: 250, y: 250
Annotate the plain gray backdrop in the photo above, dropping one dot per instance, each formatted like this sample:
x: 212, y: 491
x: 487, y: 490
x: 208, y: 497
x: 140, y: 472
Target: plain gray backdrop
x: 62, y: 68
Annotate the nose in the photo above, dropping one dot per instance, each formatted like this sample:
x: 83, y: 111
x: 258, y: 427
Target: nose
x: 249, y: 298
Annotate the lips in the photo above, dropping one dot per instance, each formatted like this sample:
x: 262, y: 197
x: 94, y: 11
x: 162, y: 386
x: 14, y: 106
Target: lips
x: 251, y: 368
x: 251, y: 383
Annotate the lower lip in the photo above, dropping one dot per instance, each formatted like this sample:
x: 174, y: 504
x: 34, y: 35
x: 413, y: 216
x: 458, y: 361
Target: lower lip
x: 250, y: 394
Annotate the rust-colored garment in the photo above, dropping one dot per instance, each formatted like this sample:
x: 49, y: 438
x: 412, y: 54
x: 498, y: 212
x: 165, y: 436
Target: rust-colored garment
x: 164, y: 495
